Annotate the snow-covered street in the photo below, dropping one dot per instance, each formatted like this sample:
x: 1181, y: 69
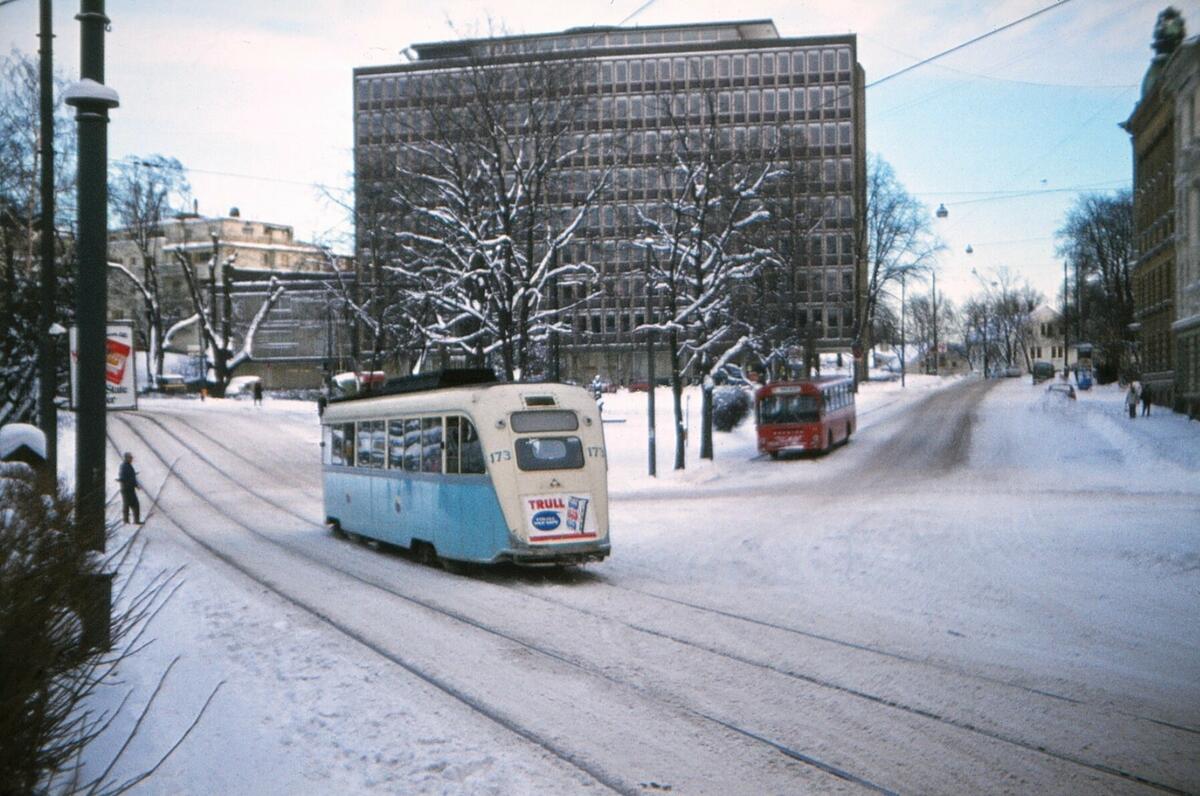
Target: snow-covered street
x: 990, y: 589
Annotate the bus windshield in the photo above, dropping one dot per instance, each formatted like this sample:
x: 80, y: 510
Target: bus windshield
x: 776, y: 409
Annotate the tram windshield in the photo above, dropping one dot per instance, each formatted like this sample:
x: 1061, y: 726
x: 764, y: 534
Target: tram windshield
x: 776, y: 409
x: 549, y: 453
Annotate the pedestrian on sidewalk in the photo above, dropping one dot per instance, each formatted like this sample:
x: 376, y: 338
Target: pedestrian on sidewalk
x: 127, y: 478
x: 1131, y: 400
x: 258, y: 393
x: 1146, y: 401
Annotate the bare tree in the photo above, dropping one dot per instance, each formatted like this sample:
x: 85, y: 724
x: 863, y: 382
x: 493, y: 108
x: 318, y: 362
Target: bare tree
x: 900, y: 240
x: 20, y: 212
x: 482, y: 231
x: 1097, y: 242
x: 924, y: 328
x: 143, y: 193
x: 216, y: 325
x: 702, y: 251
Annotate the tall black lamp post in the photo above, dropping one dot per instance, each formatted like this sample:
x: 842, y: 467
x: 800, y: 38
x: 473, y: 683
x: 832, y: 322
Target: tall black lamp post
x: 92, y: 100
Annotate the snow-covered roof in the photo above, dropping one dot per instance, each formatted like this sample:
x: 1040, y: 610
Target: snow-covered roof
x: 14, y: 436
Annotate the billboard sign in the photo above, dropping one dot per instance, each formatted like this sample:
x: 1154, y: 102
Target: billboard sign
x: 120, y: 384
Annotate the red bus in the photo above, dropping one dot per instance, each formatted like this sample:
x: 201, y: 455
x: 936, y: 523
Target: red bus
x: 811, y: 415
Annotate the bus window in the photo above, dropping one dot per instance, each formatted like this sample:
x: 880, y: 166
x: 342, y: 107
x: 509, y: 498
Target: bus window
x: 472, y: 448
x: 396, y: 444
x: 789, y: 409
x: 452, y: 445
x: 549, y: 453
x: 431, y: 445
x: 412, y: 445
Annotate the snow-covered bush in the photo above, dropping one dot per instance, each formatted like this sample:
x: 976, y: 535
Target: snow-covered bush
x: 48, y: 672
x: 731, y: 404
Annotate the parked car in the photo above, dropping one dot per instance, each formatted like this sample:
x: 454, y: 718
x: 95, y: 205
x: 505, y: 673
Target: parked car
x: 1042, y: 371
x: 1063, y: 389
x: 1012, y: 372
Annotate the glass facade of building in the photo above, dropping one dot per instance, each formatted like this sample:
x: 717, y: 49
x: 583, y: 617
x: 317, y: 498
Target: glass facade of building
x: 634, y: 94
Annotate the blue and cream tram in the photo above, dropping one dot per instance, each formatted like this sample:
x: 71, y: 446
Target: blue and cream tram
x: 457, y: 466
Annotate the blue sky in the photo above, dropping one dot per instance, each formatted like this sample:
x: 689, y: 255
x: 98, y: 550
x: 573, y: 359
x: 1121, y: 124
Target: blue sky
x: 263, y: 90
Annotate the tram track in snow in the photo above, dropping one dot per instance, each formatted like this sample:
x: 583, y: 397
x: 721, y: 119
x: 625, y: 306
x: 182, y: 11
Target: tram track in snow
x: 432, y: 679
x: 821, y: 682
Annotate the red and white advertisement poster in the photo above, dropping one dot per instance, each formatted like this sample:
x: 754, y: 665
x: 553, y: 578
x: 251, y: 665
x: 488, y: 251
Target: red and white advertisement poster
x: 120, y: 383
x: 559, y: 518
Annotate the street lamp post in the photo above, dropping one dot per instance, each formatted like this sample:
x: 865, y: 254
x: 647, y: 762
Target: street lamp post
x: 903, y: 366
x: 92, y: 101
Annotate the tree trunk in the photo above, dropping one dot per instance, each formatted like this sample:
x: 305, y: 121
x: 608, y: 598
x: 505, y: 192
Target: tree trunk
x: 706, y: 424
x: 677, y: 398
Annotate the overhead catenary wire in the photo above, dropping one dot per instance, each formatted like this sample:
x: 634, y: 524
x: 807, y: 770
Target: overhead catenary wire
x: 967, y: 43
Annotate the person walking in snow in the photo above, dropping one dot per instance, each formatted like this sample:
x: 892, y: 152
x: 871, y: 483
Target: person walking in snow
x: 1145, y: 402
x: 258, y: 393
x: 1131, y: 400
x: 127, y: 478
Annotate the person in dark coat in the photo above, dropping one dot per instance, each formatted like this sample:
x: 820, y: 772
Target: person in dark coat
x: 1145, y: 402
x: 127, y: 478
x: 258, y: 393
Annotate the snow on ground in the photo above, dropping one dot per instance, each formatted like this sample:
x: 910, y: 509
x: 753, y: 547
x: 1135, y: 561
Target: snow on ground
x: 736, y: 462
x: 1061, y: 555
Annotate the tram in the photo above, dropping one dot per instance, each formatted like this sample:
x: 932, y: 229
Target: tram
x: 811, y: 415
x: 456, y: 466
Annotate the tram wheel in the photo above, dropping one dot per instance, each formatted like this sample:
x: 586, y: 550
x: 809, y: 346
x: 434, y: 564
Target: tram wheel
x: 425, y: 554
x: 335, y: 528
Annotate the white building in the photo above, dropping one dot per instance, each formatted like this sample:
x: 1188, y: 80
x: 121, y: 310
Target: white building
x: 1045, y: 339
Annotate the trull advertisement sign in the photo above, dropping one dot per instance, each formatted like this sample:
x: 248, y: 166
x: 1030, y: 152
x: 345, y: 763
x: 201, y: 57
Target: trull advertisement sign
x: 120, y: 383
x: 559, y: 518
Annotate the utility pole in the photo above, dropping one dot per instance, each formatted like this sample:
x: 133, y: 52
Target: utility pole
x: 92, y: 100
x: 936, y: 351
x: 47, y: 342
x: 1066, y: 325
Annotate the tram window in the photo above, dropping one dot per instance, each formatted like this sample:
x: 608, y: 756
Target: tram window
x: 549, y: 453
x: 363, y: 447
x: 452, y: 445
x: 379, y: 444
x: 431, y: 445
x: 471, y: 448
x: 348, y: 444
x: 396, y: 444
x: 412, y: 445
x: 559, y: 420
x: 336, y: 447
